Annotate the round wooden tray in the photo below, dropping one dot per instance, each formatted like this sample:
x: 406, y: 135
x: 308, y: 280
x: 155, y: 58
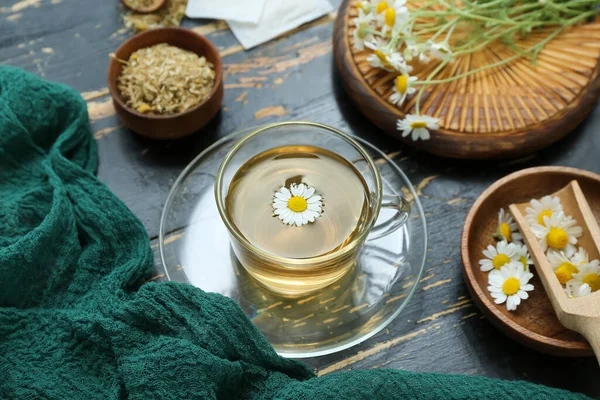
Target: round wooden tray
x: 534, y: 324
x: 507, y: 111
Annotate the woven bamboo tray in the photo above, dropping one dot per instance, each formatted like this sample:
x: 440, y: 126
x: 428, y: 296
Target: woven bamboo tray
x: 508, y: 111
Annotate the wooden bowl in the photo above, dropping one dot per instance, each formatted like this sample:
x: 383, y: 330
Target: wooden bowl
x: 507, y: 111
x: 534, y: 324
x: 175, y: 125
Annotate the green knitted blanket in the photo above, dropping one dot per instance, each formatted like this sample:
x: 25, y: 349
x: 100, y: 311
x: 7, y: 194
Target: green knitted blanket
x: 76, y: 321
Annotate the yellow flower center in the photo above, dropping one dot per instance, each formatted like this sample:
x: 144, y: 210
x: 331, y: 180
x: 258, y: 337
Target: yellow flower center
x: 523, y: 260
x: 500, y: 260
x: 593, y: 280
x: 565, y: 272
x: 402, y: 84
x: 381, y: 7
x: 418, y: 124
x: 511, y: 286
x: 505, y: 231
x: 381, y: 56
x: 545, y: 213
x: 557, y: 238
x: 390, y: 17
x: 297, y: 204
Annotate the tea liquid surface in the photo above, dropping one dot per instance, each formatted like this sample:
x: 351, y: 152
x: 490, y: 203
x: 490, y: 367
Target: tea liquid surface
x: 249, y: 202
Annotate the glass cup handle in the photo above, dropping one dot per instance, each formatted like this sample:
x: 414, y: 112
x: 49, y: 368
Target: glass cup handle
x: 402, y: 208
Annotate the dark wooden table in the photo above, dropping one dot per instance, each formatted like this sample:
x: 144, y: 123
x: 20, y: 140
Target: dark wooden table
x: 294, y: 78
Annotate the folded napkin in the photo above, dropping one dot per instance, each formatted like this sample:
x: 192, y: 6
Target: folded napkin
x: 252, y: 28
x: 230, y: 10
x: 76, y: 322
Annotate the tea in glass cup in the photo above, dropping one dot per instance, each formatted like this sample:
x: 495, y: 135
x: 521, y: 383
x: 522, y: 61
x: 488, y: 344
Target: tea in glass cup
x: 297, y: 213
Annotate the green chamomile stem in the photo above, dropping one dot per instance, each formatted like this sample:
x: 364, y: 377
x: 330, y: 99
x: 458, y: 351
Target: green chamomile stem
x: 499, y: 63
x: 422, y: 89
x: 439, y: 32
x: 561, y: 8
x: 580, y: 17
x: 451, y: 30
x: 474, y: 16
x: 486, y: 5
x: 524, y: 7
x: 469, y: 49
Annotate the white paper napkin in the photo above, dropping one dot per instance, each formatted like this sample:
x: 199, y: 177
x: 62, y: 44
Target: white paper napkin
x: 278, y: 16
x: 230, y: 10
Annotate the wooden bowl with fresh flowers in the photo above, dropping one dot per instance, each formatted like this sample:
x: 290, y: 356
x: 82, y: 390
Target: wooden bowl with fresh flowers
x: 530, y: 320
x: 166, y: 83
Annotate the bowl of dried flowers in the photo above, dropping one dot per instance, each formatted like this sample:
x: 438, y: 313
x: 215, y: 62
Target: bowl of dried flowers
x: 166, y: 83
x: 499, y: 271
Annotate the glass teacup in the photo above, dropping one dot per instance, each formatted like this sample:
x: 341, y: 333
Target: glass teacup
x: 293, y: 276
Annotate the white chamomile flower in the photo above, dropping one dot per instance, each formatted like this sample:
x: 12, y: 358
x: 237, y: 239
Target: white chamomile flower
x: 394, y: 17
x: 385, y: 58
x: 365, y: 6
x: 441, y: 51
x: 558, y: 233
x: 510, y: 284
x: 363, y: 31
x: 582, y: 257
x: 507, y: 228
x: 588, y: 275
x: 521, y: 254
x: 419, y: 125
x: 497, y: 257
x: 575, y: 289
x: 563, y: 267
x: 545, y: 207
x: 297, y: 205
x: 413, y: 50
x: 402, y: 88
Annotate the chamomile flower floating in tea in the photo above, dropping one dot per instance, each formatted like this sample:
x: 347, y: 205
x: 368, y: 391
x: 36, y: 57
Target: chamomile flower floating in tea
x: 563, y: 266
x: 521, y: 254
x: 498, y: 256
x: 507, y: 228
x: 510, y: 284
x: 559, y: 232
x: 547, y: 206
x: 288, y: 185
x: 418, y: 125
x: 297, y: 205
x: 402, y: 88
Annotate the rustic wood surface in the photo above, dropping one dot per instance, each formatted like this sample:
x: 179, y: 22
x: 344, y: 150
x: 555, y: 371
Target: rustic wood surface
x: 508, y: 111
x: 294, y: 77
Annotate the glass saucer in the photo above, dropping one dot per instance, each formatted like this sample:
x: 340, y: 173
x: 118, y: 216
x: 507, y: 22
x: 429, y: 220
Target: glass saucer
x: 194, y: 248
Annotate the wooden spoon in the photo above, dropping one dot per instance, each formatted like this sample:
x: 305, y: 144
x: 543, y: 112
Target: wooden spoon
x: 154, y: 6
x: 580, y: 314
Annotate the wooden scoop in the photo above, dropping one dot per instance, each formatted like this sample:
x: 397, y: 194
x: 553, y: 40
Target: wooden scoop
x: 580, y: 314
x: 153, y: 6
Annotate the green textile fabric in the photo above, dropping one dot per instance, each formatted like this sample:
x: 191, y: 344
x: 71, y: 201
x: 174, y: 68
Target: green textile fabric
x: 76, y: 320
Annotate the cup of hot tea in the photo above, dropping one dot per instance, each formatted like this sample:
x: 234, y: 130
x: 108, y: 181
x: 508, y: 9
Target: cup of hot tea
x: 299, y: 200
